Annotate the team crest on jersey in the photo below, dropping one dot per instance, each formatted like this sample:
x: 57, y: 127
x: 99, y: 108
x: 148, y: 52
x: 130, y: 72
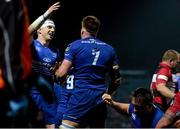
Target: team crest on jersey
x: 54, y: 55
x: 67, y: 48
x: 46, y: 60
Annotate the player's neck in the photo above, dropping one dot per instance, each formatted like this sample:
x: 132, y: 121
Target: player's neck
x: 43, y: 41
x: 167, y: 63
x: 85, y: 35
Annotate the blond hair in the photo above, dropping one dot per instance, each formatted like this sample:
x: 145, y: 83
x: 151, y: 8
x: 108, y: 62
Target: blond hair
x: 170, y: 55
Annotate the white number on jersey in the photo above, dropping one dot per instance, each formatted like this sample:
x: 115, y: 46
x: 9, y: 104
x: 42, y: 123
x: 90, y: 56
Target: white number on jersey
x: 70, y: 82
x: 96, y: 54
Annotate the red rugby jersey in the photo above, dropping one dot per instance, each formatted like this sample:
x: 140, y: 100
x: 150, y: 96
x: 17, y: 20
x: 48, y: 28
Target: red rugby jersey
x: 162, y: 75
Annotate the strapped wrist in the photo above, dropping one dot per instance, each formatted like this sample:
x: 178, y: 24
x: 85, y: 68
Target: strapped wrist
x: 46, y: 15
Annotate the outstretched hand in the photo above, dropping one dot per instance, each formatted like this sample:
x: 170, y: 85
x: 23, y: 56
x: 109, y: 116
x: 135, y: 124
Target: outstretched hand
x: 52, y: 8
x: 39, y: 21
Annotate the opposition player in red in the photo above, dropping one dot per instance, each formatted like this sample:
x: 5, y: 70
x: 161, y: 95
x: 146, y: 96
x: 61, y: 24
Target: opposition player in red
x: 171, y: 117
x: 162, y: 86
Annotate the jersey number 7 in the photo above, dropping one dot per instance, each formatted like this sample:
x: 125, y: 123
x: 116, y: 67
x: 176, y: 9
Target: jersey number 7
x: 96, y: 56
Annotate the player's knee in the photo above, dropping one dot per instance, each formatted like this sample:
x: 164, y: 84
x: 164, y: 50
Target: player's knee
x: 66, y: 126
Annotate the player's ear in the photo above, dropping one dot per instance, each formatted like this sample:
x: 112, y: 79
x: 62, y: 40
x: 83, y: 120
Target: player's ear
x: 39, y: 31
x: 82, y: 31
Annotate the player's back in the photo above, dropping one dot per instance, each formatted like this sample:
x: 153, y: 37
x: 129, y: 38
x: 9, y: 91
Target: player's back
x: 92, y: 59
x: 137, y: 119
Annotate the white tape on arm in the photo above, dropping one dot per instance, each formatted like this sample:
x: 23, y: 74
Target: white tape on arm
x: 46, y: 14
x: 36, y: 24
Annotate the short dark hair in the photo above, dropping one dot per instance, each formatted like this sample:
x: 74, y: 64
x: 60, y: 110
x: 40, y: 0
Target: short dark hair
x: 91, y: 24
x: 143, y: 95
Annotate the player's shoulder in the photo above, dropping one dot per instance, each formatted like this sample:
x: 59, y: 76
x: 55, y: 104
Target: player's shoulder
x: 75, y: 43
x: 164, y: 70
x: 35, y: 42
x: 36, y: 45
x: 106, y: 44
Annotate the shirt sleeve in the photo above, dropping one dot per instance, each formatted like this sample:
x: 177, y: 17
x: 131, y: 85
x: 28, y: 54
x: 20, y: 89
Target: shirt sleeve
x: 69, y: 52
x: 130, y: 109
x: 162, y: 76
x: 114, y: 58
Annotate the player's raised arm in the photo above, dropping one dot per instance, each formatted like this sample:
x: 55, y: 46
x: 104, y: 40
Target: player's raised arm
x: 39, y: 21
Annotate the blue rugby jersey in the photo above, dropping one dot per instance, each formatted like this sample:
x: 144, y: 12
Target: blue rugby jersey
x: 44, y: 58
x: 136, y: 120
x: 91, y: 60
x: 43, y: 95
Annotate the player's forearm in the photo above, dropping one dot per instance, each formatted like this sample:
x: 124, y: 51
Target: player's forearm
x: 162, y: 123
x: 115, y: 79
x: 166, y: 120
x: 165, y: 91
x: 120, y: 107
x: 60, y: 72
x: 35, y: 25
x: 114, y: 85
x: 63, y: 68
x: 38, y: 22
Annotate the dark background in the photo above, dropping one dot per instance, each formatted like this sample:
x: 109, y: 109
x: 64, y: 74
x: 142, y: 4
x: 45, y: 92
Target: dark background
x: 139, y: 30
